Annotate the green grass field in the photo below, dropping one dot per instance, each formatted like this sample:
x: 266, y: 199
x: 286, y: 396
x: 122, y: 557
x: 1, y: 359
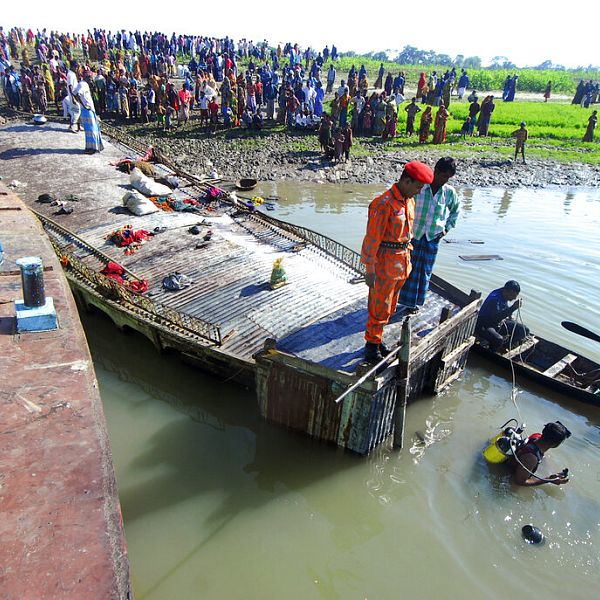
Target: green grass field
x: 555, y: 131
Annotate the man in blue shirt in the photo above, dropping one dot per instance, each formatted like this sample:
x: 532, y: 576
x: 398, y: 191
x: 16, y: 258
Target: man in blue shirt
x: 463, y: 83
x: 493, y: 323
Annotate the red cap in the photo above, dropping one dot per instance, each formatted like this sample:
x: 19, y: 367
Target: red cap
x: 419, y: 171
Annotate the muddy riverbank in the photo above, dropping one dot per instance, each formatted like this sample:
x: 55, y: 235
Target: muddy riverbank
x: 273, y: 155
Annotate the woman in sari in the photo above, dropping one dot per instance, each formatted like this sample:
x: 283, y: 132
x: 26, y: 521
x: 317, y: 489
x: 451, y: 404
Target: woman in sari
x: 379, y: 80
x: 48, y: 82
x: 485, y: 116
x: 391, y: 121
x: 425, y: 125
x: 335, y: 109
x: 379, y: 117
x: 589, y: 132
x: 89, y: 120
x: 367, y: 119
x: 439, y: 131
x: 421, y: 85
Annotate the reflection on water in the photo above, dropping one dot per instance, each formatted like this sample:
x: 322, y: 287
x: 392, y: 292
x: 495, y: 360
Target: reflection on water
x: 219, y: 504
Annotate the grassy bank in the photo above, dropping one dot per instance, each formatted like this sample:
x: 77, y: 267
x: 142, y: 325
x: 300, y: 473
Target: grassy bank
x: 555, y: 132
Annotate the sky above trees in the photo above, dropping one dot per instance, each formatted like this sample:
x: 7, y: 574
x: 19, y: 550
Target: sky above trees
x: 523, y: 33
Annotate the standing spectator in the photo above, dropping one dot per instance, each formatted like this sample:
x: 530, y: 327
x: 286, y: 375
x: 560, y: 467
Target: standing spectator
x: 436, y: 212
x: 347, y: 142
x: 521, y: 135
x: 474, y: 109
x: 270, y: 95
x: 439, y: 130
x: 330, y: 79
x: 425, y: 125
x: 589, y: 132
x: 385, y: 252
x: 547, y: 91
x: 319, y: 95
x: 379, y: 80
x: 411, y: 112
x: 89, y: 120
x: 463, y: 83
x: 485, y: 115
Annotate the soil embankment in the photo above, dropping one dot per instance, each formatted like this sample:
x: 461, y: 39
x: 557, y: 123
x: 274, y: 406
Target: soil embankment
x: 275, y: 156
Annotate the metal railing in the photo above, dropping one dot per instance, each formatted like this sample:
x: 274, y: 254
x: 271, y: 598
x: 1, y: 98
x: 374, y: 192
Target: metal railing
x: 339, y: 252
x: 110, y: 289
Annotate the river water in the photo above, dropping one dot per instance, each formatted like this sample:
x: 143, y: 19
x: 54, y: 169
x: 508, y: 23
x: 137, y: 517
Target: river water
x: 220, y: 505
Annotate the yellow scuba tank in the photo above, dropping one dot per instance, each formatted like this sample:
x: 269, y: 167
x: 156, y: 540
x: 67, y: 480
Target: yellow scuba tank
x: 493, y: 454
x: 501, y: 446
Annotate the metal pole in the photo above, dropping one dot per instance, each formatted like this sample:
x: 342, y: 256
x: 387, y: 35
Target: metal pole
x: 387, y: 359
x: 403, y: 385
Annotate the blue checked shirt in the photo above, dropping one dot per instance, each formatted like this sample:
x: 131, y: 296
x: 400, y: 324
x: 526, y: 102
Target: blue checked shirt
x: 434, y: 214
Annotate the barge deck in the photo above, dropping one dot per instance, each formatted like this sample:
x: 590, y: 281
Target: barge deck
x: 313, y: 327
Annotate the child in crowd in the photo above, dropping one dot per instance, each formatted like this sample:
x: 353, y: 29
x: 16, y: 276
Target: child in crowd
x: 466, y: 129
x: 169, y: 116
x: 144, y: 107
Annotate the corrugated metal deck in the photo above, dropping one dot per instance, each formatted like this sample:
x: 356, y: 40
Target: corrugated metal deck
x: 320, y: 315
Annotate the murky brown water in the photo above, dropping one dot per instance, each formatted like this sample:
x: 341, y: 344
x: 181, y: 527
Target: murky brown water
x: 218, y: 504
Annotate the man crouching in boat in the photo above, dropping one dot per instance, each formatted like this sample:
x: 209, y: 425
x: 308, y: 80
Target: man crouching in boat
x: 530, y: 454
x: 493, y: 323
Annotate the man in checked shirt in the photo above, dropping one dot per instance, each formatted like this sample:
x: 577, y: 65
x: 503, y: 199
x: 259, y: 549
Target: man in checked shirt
x: 436, y: 211
x: 386, y: 251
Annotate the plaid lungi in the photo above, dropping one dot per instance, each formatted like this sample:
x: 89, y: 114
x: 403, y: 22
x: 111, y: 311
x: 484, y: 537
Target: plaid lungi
x: 93, y: 139
x: 422, y: 258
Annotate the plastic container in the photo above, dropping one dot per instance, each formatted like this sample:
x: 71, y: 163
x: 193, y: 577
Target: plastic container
x: 32, y: 280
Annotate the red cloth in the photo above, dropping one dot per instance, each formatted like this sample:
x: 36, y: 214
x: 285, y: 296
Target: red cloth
x: 115, y: 271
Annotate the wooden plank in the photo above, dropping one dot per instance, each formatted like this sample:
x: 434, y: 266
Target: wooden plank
x: 450, y: 357
x: 526, y: 345
x: 474, y: 257
x: 558, y: 366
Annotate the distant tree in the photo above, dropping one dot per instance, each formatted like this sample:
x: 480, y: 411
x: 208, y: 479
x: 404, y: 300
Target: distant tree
x: 408, y: 56
x: 349, y: 54
x: 499, y: 62
x: 472, y: 62
x: 443, y: 59
x: 459, y: 60
x: 545, y: 66
x: 380, y: 56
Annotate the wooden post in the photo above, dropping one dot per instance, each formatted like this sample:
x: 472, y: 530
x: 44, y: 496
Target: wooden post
x: 446, y: 314
x: 403, y: 384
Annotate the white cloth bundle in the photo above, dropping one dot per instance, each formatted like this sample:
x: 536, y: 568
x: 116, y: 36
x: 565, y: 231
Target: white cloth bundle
x: 148, y: 186
x: 138, y: 204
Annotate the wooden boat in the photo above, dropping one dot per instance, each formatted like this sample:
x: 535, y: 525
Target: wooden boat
x: 246, y: 184
x: 551, y: 365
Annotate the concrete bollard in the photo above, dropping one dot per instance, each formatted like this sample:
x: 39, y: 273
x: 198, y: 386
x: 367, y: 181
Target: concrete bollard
x: 32, y: 281
x: 35, y: 312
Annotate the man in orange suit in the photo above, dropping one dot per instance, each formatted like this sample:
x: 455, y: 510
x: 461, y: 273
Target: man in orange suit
x: 386, y: 251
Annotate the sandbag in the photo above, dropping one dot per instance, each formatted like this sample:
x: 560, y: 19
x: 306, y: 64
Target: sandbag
x: 138, y: 204
x: 147, y: 186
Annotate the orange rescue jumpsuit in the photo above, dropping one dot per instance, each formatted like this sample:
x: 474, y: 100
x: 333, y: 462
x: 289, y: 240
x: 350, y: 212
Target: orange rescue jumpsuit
x: 391, y: 219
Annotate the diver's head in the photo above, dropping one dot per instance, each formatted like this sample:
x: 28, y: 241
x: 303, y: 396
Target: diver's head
x: 554, y: 434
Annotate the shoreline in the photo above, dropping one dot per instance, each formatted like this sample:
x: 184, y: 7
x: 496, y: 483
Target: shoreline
x: 275, y: 155
x: 280, y: 156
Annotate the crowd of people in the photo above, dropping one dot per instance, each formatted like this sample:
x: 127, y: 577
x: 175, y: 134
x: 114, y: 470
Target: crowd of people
x: 166, y: 80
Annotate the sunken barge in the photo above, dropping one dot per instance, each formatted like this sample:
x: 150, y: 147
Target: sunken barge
x: 300, y: 344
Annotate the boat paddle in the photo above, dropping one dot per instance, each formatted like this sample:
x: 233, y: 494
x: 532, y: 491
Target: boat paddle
x: 579, y: 330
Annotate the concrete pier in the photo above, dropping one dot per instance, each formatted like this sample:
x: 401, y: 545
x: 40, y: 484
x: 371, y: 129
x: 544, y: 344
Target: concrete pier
x: 61, y: 533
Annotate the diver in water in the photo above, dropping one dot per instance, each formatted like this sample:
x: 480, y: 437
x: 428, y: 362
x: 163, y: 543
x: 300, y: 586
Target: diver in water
x: 530, y: 454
